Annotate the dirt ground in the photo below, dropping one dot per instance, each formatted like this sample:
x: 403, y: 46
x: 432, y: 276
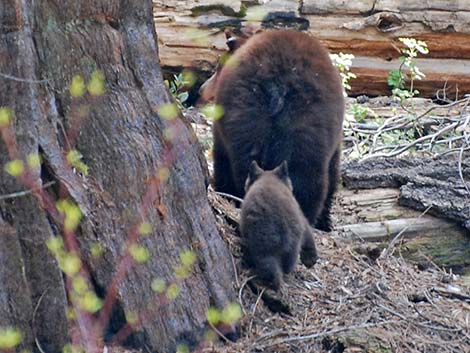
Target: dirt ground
x: 353, y: 300
x: 357, y: 298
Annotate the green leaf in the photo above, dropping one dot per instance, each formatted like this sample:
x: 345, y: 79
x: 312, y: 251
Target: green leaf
x: 213, y: 315
x: 139, y: 253
x: 213, y: 111
x: 79, y: 284
x: 90, y: 302
x: 232, y: 313
x: 182, y: 348
x: 5, y: 116
x: 173, y: 291
x: 168, y: 111
x: 10, y: 338
x: 77, y: 86
x: 96, y: 250
x: 145, y: 228
x: 15, y: 168
x: 33, y: 160
x: 158, y: 285
x: 187, y: 257
x: 183, y: 97
x: 71, y: 212
x: 70, y: 264
x: 96, y: 85
x: 74, y: 157
x: 55, y: 244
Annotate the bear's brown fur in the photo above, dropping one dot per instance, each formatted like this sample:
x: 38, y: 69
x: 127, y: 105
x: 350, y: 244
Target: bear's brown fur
x: 274, y: 229
x: 282, y: 100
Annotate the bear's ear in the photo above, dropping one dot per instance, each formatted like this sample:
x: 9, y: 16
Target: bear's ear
x: 255, y: 171
x: 282, y: 171
x: 231, y: 43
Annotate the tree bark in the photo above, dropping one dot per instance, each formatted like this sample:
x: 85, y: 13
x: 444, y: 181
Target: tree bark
x: 122, y: 141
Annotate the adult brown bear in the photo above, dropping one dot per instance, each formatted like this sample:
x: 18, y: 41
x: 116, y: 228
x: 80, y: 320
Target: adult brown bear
x: 282, y: 100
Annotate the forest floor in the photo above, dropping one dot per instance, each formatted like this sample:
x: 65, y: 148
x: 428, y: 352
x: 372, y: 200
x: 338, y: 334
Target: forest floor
x: 361, y: 296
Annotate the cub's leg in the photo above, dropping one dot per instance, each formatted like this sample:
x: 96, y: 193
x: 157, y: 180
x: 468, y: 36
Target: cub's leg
x: 324, y: 220
x: 268, y: 272
x: 289, y: 258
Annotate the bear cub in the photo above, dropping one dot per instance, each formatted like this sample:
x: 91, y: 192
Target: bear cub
x: 273, y: 228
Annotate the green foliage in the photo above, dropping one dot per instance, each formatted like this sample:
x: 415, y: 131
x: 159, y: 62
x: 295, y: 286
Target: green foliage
x: 187, y: 258
x: 97, y: 86
x: 33, y: 160
x: 70, y: 264
x: 5, y: 116
x: 173, y: 291
x: 231, y: 314
x: 182, y: 348
x: 74, y: 158
x: 168, y: 111
x: 145, y: 228
x: 180, y: 84
x: 360, y: 112
x: 139, y: 253
x: 71, y: 348
x: 71, y: 212
x: 158, y: 285
x: 9, y: 338
x: 77, y: 86
x: 213, y: 111
x: 15, y: 168
x: 90, y: 302
x: 96, y: 250
x: 397, y: 77
x: 343, y: 62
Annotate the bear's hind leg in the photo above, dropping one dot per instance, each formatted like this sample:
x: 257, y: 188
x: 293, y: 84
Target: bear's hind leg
x: 324, y: 220
x: 223, y: 179
x: 308, y: 252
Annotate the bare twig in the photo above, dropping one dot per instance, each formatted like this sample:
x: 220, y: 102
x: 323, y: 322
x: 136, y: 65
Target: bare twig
x: 19, y: 79
x: 25, y: 192
x: 229, y: 196
x: 332, y: 332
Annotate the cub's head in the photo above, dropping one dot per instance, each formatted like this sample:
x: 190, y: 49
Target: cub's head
x: 281, y: 173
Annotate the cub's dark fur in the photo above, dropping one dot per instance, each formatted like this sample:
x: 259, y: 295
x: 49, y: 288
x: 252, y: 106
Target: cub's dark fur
x: 273, y: 227
x: 282, y: 100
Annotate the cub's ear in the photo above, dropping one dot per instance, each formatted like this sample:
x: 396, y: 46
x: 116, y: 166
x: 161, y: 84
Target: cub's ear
x: 282, y: 171
x: 255, y: 171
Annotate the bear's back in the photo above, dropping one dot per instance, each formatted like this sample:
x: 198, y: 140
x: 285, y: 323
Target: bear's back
x: 280, y: 93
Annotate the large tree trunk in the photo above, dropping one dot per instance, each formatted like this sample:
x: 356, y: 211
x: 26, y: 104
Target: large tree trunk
x: 122, y: 142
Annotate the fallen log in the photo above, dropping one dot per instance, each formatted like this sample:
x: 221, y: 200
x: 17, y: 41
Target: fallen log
x: 191, y: 35
x: 423, y: 182
x: 386, y: 230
